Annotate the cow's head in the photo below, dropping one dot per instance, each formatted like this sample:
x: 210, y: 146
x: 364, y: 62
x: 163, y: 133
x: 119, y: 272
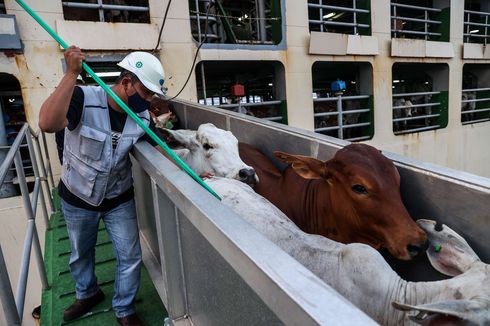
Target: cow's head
x: 363, y: 187
x: 469, y: 303
x: 209, y: 149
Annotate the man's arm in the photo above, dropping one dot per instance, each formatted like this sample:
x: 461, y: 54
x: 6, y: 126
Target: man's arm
x: 52, y: 116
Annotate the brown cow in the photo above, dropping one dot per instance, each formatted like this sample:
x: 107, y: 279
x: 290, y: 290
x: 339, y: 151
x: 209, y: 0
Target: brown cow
x: 354, y: 197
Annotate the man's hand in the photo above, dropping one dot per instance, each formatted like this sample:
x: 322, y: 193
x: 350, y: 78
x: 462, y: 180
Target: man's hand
x: 206, y: 175
x: 74, y: 58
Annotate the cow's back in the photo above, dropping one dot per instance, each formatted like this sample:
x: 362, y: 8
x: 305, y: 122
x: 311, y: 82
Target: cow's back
x: 284, y: 189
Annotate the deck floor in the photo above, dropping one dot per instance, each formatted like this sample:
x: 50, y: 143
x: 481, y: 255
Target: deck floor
x: 62, y: 292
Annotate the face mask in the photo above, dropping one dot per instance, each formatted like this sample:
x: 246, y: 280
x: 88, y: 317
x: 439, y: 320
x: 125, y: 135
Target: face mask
x: 138, y: 104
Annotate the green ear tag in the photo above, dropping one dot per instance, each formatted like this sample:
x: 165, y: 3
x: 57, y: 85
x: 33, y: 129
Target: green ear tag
x: 437, y: 247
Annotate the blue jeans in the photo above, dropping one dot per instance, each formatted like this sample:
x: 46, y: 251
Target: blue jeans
x: 122, y: 227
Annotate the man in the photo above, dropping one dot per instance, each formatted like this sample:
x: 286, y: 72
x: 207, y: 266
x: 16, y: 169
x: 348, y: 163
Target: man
x: 96, y: 181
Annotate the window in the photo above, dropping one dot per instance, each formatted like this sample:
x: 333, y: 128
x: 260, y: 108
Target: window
x: 340, y: 16
x: 2, y: 8
x: 475, y: 98
x: 420, y: 97
x: 263, y: 86
x: 114, y: 11
x: 476, y: 21
x: 420, y: 19
x: 342, y: 100
x: 108, y: 71
x: 236, y: 22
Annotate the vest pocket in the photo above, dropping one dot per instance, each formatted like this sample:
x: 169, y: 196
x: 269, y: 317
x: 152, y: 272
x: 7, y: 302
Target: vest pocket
x: 81, y: 179
x: 92, y: 142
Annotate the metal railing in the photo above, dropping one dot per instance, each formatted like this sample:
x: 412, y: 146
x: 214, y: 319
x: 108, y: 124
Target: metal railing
x: 343, y: 118
x: 426, y: 22
x: 245, y: 108
x: 14, y: 306
x: 476, y: 26
x: 105, y: 7
x: 325, y: 16
x: 215, y: 25
x: 409, y: 118
x: 469, y: 112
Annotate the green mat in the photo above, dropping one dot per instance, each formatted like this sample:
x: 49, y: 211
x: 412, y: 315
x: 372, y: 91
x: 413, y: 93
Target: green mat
x: 62, y: 291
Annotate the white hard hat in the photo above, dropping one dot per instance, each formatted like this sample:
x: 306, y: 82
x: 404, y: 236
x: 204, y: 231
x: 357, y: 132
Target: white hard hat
x: 147, y: 68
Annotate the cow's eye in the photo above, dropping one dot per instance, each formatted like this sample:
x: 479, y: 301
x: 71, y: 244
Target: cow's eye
x: 207, y: 146
x: 360, y: 189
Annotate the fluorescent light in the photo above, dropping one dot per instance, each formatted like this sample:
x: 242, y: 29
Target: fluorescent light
x: 474, y: 31
x: 396, y: 81
x: 329, y: 15
x: 108, y: 74
x: 11, y: 100
x: 270, y: 84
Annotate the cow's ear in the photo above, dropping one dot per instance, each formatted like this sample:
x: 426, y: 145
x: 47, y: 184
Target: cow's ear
x: 453, y: 312
x: 179, y: 138
x: 305, y: 166
x: 448, y: 252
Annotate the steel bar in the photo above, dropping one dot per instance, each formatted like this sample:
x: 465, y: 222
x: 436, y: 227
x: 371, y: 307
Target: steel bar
x: 328, y: 22
x: 476, y: 35
x: 475, y: 111
x: 273, y: 118
x: 476, y: 100
x: 226, y: 106
x: 475, y: 90
x: 404, y: 31
x: 337, y: 8
x: 345, y: 98
x: 419, y: 20
x: 44, y: 175
x: 476, y: 24
x: 416, y: 130
x: 481, y: 13
x: 6, y: 295
x: 358, y: 138
x: 49, y: 171
x: 475, y: 121
x: 20, y: 294
x: 38, y: 176
x: 418, y: 117
x: 7, y: 162
x: 416, y: 7
x: 103, y: 6
x: 416, y: 105
x: 415, y: 94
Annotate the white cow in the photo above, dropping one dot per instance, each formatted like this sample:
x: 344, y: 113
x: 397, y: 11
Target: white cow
x: 211, y: 150
x: 356, y: 271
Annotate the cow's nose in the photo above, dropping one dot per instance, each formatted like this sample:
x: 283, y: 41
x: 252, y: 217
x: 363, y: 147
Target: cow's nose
x: 247, y: 176
x: 415, y: 250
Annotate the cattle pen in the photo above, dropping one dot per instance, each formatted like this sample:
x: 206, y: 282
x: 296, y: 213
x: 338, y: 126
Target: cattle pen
x: 212, y: 269
x: 209, y: 267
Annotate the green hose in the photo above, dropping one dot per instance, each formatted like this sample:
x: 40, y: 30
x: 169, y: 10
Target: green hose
x: 119, y: 101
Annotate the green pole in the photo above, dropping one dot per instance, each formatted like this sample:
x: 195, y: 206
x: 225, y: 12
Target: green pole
x: 119, y: 101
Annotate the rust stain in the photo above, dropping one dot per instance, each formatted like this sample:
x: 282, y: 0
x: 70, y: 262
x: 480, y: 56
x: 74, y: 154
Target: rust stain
x: 21, y: 63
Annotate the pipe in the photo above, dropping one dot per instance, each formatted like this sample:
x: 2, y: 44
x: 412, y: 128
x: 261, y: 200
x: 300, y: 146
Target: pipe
x: 116, y: 98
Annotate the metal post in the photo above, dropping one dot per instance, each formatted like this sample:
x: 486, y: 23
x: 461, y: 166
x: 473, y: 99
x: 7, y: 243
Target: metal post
x: 44, y: 176
x: 203, y: 77
x: 261, y: 20
x: 48, y: 161
x: 6, y: 294
x: 198, y: 21
x: 101, y: 11
x: 35, y: 168
x: 426, y: 24
x: 354, y: 16
x: 486, y: 30
x: 321, y: 15
x: 468, y: 28
x: 395, y: 20
x: 340, y: 123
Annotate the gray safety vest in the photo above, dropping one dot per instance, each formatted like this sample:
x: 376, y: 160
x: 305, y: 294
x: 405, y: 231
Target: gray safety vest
x: 91, y: 169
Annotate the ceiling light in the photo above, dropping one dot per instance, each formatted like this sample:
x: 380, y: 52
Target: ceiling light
x: 108, y: 74
x: 329, y: 15
x: 474, y: 31
x: 270, y: 84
